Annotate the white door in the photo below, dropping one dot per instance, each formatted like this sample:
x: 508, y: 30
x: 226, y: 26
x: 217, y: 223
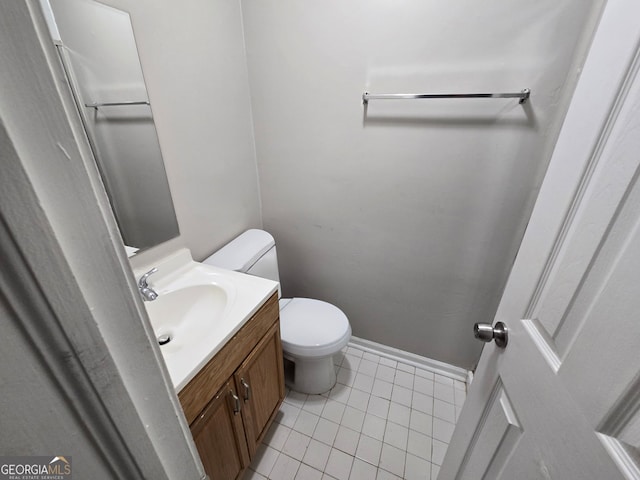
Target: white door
x: 562, y: 400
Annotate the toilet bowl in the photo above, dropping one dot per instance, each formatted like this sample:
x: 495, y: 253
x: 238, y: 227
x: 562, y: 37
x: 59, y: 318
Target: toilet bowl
x: 312, y: 331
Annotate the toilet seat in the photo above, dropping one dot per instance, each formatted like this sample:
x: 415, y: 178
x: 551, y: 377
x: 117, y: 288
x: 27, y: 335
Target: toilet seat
x: 312, y: 328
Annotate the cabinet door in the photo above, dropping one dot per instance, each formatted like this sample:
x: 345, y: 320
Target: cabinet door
x: 219, y: 436
x: 260, y: 383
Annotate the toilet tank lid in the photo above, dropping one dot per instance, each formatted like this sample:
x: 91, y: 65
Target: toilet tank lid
x: 242, y: 252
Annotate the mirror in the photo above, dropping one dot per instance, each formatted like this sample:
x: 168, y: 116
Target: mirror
x: 98, y: 51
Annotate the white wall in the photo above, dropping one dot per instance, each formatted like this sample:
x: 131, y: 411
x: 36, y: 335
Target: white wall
x: 192, y: 56
x: 407, y: 214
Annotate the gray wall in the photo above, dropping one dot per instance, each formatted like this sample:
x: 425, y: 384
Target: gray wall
x: 406, y: 214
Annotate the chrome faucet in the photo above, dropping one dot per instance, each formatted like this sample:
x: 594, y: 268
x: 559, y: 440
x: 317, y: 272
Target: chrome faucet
x: 148, y: 293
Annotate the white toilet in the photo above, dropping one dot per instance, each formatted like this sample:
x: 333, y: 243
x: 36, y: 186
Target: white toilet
x: 312, y: 330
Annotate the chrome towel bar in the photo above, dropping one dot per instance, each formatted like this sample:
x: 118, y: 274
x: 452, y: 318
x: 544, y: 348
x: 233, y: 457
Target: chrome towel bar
x: 115, y: 104
x: 366, y: 96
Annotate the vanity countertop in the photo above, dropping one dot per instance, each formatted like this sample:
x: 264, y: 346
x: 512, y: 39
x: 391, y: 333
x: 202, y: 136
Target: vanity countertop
x: 200, y: 307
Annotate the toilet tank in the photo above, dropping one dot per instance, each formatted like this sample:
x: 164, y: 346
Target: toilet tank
x: 253, y: 252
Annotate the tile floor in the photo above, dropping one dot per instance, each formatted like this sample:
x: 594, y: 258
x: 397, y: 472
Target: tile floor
x: 383, y: 420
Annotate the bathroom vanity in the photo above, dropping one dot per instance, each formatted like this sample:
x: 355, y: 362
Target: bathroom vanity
x: 219, y: 335
x: 232, y: 401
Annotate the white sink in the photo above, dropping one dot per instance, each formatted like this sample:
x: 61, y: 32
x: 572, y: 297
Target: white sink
x: 199, y: 307
x: 185, y: 316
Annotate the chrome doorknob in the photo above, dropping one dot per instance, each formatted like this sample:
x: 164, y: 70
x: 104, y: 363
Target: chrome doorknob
x: 486, y: 333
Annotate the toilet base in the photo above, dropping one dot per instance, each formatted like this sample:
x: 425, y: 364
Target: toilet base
x: 310, y: 375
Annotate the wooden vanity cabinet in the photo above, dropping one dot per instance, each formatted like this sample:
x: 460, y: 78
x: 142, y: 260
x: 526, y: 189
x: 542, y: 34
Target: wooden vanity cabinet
x: 233, y: 400
x: 219, y: 429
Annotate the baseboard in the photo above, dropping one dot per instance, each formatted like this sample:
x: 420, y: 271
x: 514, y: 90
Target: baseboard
x: 425, y: 363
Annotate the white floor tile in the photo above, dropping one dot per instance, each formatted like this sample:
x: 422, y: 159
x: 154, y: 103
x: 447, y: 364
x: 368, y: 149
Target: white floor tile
x: 347, y: 440
x: 406, y: 368
x: 317, y: 455
x: 386, y: 373
x: 306, y: 423
x: 378, y: 407
x: 374, y: 426
x: 388, y: 362
x: 458, y: 385
x: 399, y: 414
x: 363, y: 382
x: 460, y: 397
x: 442, y: 379
x: 416, y: 468
x: 422, y: 403
x: 251, y: 475
x: 340, y: 393
x: 443, y: 392
x: 444, y: 410
x: 421, y: 422
x: 372, y: 357
x: 423, y: 385
x: 384, y: 475
x: 369, y: 450
x: 285, y: 468
x: 424, y: 373
x: 287, y: 415
x: 396, y: 435
x: 305, y: 472
x: 326, y: 431
x: 401, y: 395
x: 296, y: 445
x: 362, y: 470
x: 339, y: 465
x: 368, y: 367
x: 358, y: 399
x: 333, y: 410
x: 315, y: 404
x: 442, y: 430
x: 404, y: 379
x: 435, y: 470
x: 419, y: 445
x: 439, y: 449
x: 382, y: 389
x: 356, y: 352
x: 338, y: 358
x: 277, y: 436
x: 353, y: 419
x: 265, y: 459
x: 351, y: 362
x: 346, y: 376
x: 295, y: 398
x: 392, y: 459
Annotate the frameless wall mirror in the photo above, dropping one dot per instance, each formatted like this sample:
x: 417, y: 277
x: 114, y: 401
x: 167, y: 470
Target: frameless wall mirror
x: 98, y: 51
